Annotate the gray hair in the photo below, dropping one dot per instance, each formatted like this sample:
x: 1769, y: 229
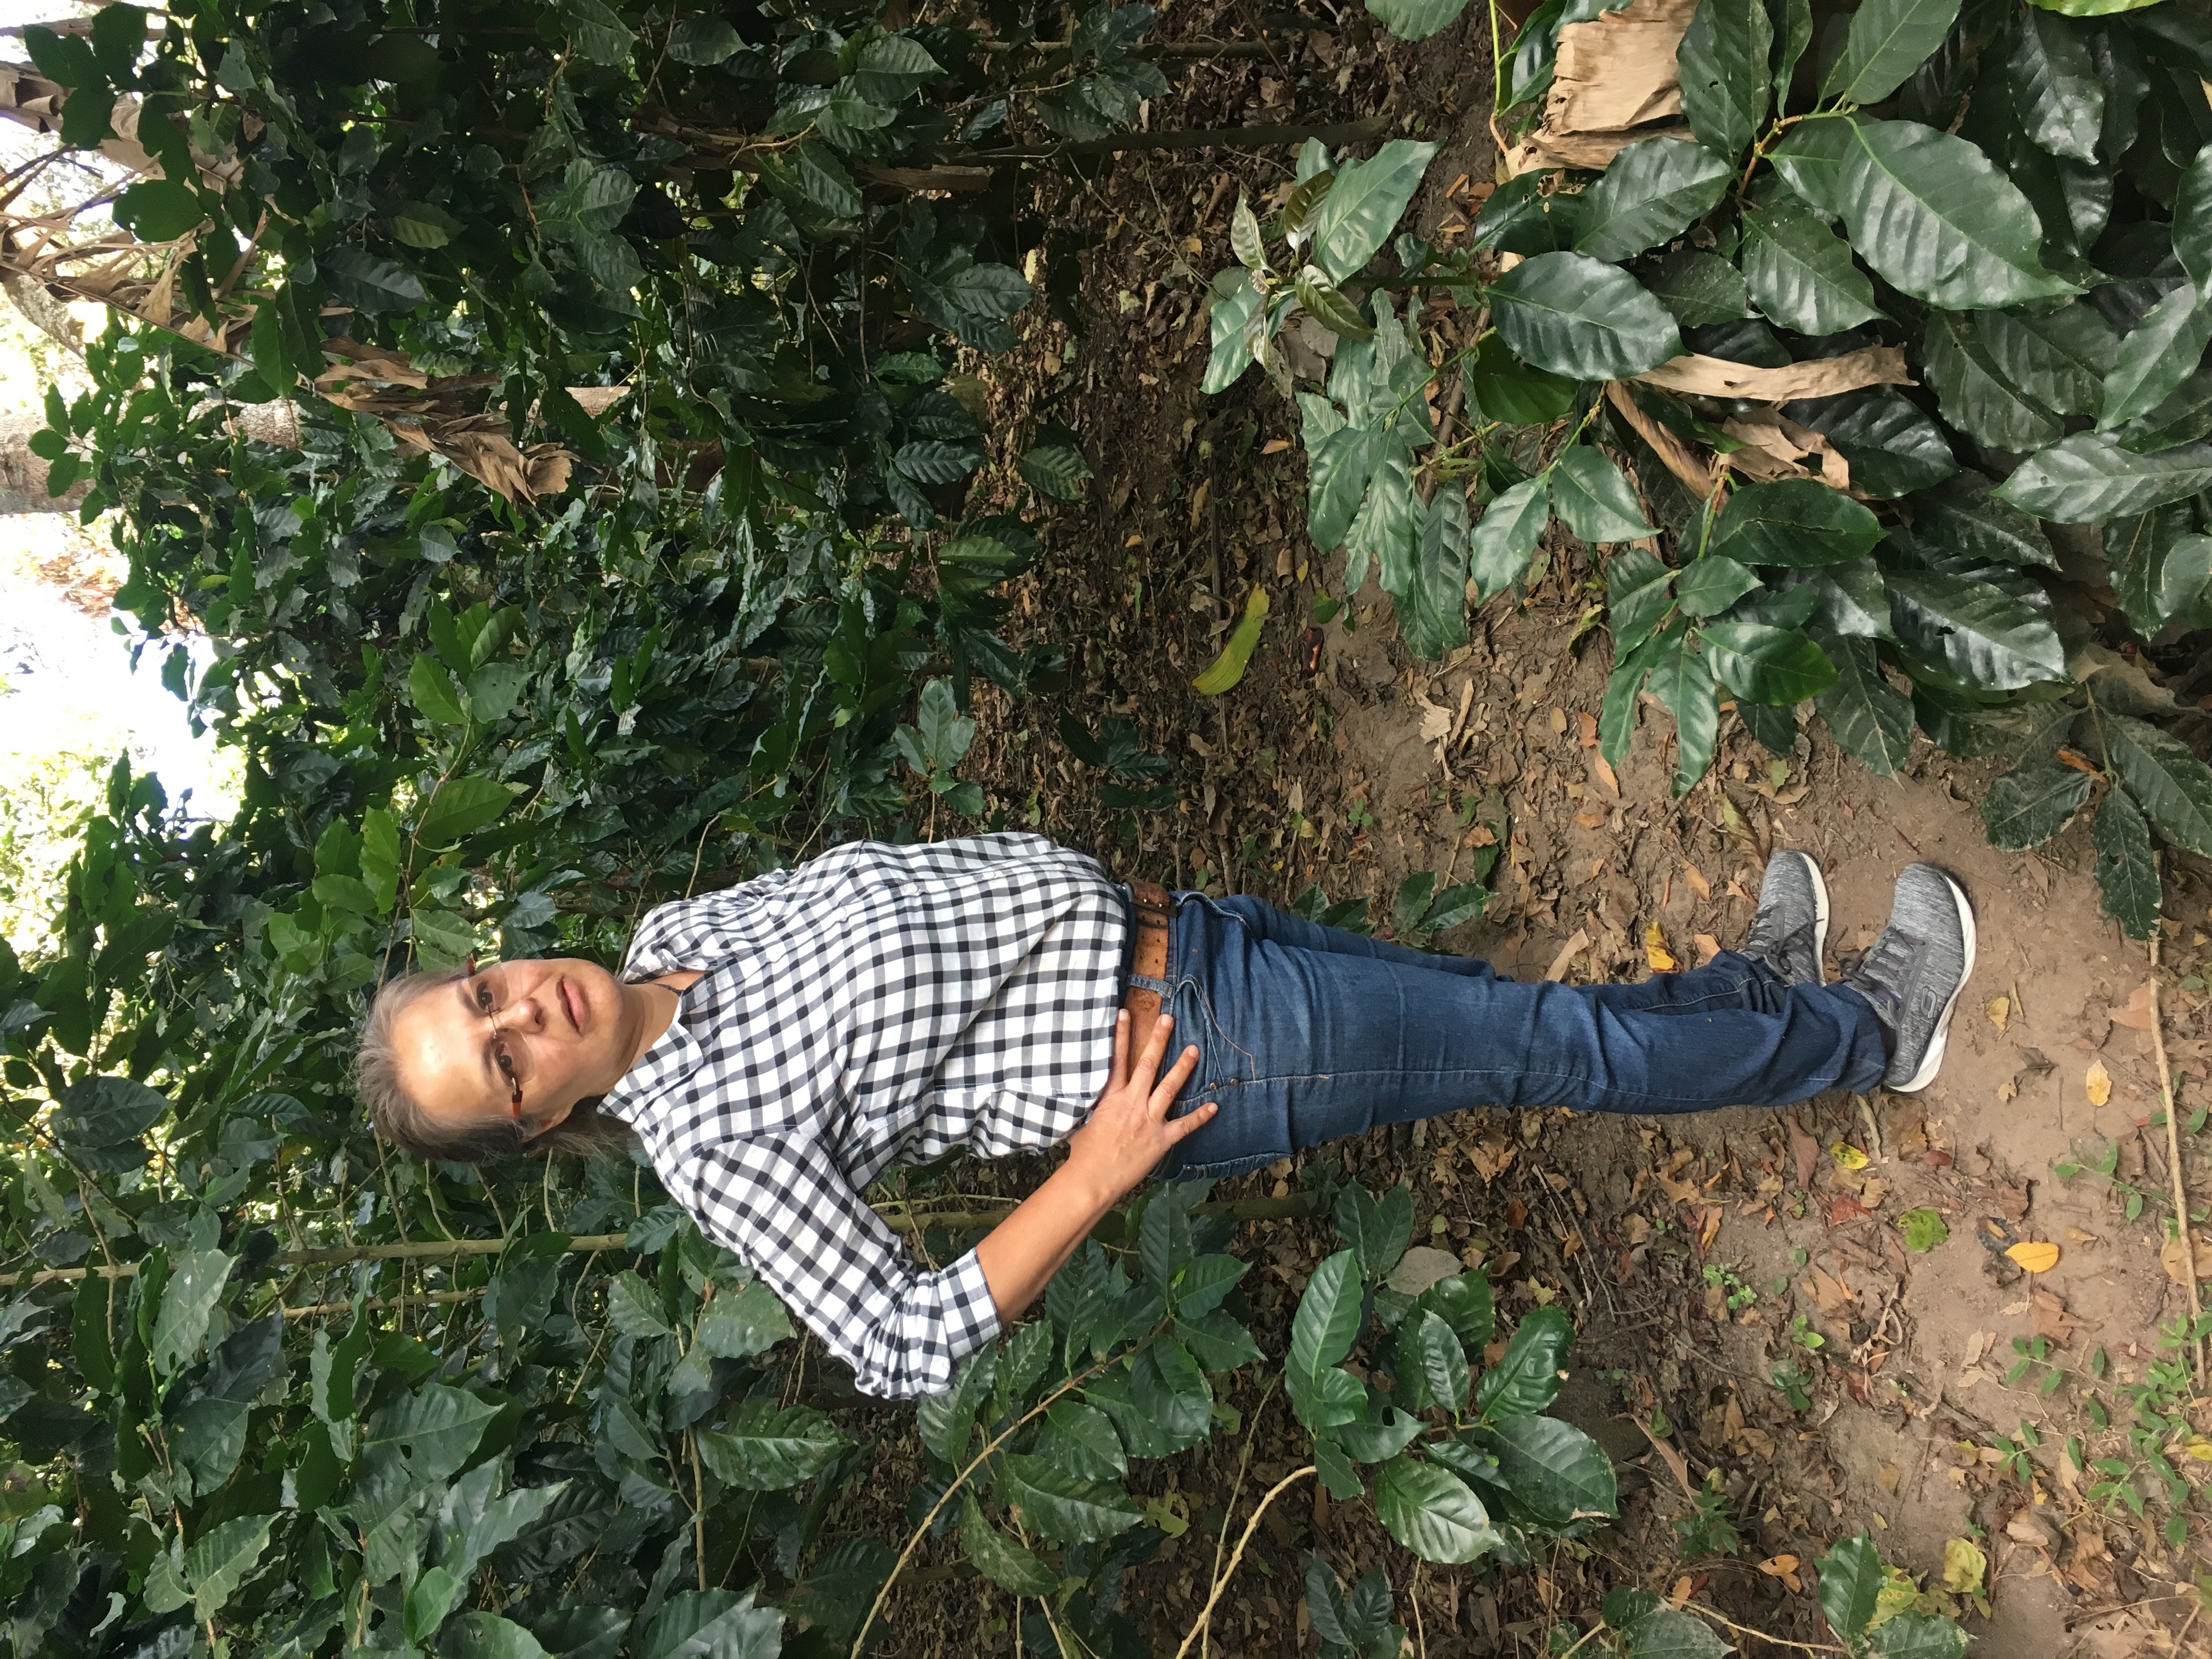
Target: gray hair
x: 400, y: 1118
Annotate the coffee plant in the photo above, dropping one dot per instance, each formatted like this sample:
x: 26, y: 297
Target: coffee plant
x: 1879, y: 385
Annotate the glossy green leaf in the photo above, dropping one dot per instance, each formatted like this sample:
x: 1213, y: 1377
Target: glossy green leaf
x: 1919, y: 1636
x: 1079, y: 1440
x: 1431, y: 1362
x: 1064, y: 1508
x: 713, y: 1624
x: 2088, y: 477
x: 195, y: 1283
x: 765, y: 1450
x: 1597, y: 503
x: 1527, y: 1375
x: 1464, y: 1302
x: 1649, y: 193
x: 1980, y: 634
x: 2171, y: 786
x: 100, y: 1112
x: 1888, y: 40
x: 1233, y: 302
x: 1709, y: 585
x: 1893, y: 447
x: 1370, y: 1442
x: 1793, y: 522
x: 1683, y: 683
x: 1505, y: 539
x: 1415, y: 20
x: 946, y: 1420
x: 1975, y: 393
x: 1698, y: 287
x: 1365, y: 205
x: 459, y: 807
x: 1329, y: 308
x: 478, y: 1634
x: 1868, y: 716
x: 1432, y: 1512
x: 1581, y: 318
x: 2031, y: 803
x: 1245, y: 240
x: 1052, y: 470
x: 1637, y: 592
x: 1553, y: 1469
x: 1961, y: 516
x: 159, y: 210
x: 2155, y: 357
x: 2127, y: 864
x: 1930, y: 212
x: 1721, y: 65
x: 998, y: 1558
x: 1767, y: 664
x: 1504, y: 388
x: 1339, y: 474
x: 1664, y: 1633
x: 1386, y: 531
x: 1432, y: 605
x: 1851, y: 1579
x: 2055, y: 89
x: 2058, y: 359
x: 1799, y: 272
x: 222, y: 1559
x: 1322, y: 1334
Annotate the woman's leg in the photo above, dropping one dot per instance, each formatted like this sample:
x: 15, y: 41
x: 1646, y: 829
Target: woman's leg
x: 1299, y: 1045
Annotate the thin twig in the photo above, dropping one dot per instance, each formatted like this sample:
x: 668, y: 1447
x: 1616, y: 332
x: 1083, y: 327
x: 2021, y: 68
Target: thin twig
x: 1236, y: 1491
x: 1221, y: 1583
x: 2173, y: 1166
x: 1702, y: 1611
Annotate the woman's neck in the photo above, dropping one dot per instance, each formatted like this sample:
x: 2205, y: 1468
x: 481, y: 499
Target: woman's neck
x: 649, y: 1009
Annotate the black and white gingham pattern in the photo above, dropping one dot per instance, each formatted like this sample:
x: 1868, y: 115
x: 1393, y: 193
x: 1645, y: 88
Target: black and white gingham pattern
x: 879, y: 1005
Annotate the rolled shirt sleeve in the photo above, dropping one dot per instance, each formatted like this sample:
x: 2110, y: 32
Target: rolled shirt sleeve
x: 783, y: 1203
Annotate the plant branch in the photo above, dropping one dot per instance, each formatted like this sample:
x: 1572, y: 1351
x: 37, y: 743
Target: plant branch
x: 2173, y: 1167
x: 1221, y: 1582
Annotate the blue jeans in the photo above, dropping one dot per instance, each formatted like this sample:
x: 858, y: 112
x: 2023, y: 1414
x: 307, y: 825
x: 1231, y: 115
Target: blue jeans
x: 1306, y: 1033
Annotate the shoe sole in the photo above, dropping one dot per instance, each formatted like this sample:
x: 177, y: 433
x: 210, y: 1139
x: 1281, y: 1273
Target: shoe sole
x: 1932, y: 1061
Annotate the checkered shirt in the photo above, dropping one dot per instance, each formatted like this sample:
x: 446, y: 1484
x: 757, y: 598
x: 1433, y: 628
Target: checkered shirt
x: 879, y: 1005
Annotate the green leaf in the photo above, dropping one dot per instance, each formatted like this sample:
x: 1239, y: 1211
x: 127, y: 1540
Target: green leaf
x: 765, y: 1450
x: 1505, y: 539
x: 2155, y: 357
x: 1431, y: 606
x: 370, y: 283
x: 430, y: 688
x: 1054, y: 470
x: 1432, y: 1512
x: 1064, y: 1508
x: 1163, y: 1238
x: 1698, y: 287
x: 2171, y: 785
x: 1893, y: 447
x: 461, y: 807
x: 633, y: 1308
x: 1683, y: 683
x: 1767, y: 664
x: 1980, y: 634
x: 1597, y: 503
x: 1504, y: 388
x: 1329, y: 308
x: 1464, y: 1302
x: 2134, y: 560
x: 1794, y: 522
x: 477, y: 1635
x: 1339, y: 471
x: 1365, y: 205
x: 595, y: 33
x: 1919, y: 1636
x: 424, y: 224
x: 1974, y: 392
x: 704, y: 40
x: 222, y: 1558
x: 1228, y: 668
x: 1930, y: 212
x: 1871, y: 718
x: 1233, y: 302
x: 2055, y: 89
x: 1888, y: 40
x: 714, y: 1623
x: 417, y: 1439
x: 2059, y: 359
x: 1415, y: 20
x: 998, y: 1558
x: 1799, y: 272
x: 1079, y: 1440
x: 1636, y: 594
x: 1722, y: 65
x: 2088, y: 477
x: 1527, y: 1375
x: 1554, y: 1468
x: 946, y: 1421
x: 1431, y: 1364
x: 1322, y: 1334
x: 1962, y: 517
x: 970, y: 298
x: 1851, y: 1579
x: 1217, y: 1340
x: 1650, y: 193
x: 2127, y: 864
x: 1924, y: 1229
x: 1581, y: 318
x: 2031, y: 803
x: 159, y: 210
x: 99, y: 1112
x: 195, y: 1283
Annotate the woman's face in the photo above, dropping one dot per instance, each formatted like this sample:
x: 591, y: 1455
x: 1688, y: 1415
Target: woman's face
x: 559, y: 1028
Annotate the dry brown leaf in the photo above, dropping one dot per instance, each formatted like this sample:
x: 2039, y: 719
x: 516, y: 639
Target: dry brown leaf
x: 1586, y: 728
x: 1831, y: 1292
x: 1784, y: 1567
x: 2136, y: 1014
x: 1574, y: 947
x: 2170, y: 1258
x: 1696, y: 877
x: 1436, y: 718
x: 1708, y: 947
x: 1612, y: 78
x: 1804, y: 1149
x: 2097, y: 1083
x: 1699, y: 376
x: 2000, y: 1011
x: 2052, y: 1318
x: 1779, y: 448
x: 1606, y: 775
x: 1591, y: 820
x: 2034, y: 1256
x: 1679, y: 459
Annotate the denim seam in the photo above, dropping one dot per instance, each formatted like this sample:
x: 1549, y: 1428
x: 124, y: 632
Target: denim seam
x: 1489, y: 1070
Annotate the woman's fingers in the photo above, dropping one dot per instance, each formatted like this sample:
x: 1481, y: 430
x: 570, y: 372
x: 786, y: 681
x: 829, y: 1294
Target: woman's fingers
x: 1170, y: 1084
x: 1191, y: 1121
x: 1156, y: 1044
x: 1117, y: 1074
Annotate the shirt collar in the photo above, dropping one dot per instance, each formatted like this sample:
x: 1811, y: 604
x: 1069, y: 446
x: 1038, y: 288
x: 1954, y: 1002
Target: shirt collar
x: 674, y: 1054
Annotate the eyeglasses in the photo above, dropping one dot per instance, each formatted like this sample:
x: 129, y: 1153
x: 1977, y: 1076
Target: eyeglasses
x: 488, y: 1006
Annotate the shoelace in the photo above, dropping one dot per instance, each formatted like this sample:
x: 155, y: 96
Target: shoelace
x: 1881, y: 970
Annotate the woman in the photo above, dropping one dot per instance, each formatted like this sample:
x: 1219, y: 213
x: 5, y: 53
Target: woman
x: 776, y: 1047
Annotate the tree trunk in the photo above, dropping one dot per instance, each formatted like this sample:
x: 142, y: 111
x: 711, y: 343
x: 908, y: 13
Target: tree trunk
x: 23, y: 475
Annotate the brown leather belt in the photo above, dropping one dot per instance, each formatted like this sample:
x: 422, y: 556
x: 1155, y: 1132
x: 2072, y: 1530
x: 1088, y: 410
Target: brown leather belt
x: 1150, y: 959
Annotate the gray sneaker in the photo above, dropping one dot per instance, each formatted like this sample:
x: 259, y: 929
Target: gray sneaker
x: 1915, y: 970
x: 1791, y: 931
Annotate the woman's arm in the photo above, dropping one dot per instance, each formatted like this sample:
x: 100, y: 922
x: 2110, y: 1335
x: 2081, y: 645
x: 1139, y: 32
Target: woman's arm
x: 1127, y: 1134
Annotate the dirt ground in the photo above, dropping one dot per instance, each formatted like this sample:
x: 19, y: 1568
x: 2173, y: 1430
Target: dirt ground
x: 1696, y: 1255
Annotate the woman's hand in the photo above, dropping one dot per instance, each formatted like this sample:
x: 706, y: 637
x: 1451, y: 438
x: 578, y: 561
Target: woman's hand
x: 1129, y: 1130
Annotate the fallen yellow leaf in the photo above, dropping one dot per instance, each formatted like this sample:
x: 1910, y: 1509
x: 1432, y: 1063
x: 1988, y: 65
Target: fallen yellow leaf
x: 1848, y: 1155
x: 1964, y: 1566
x: 1784, y: 1567
x: 2199, y: 1448
x: 2034, y: 1256
x: 2000, y: 1011
x: 2097, y: 1083
x: 1655, y: 952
